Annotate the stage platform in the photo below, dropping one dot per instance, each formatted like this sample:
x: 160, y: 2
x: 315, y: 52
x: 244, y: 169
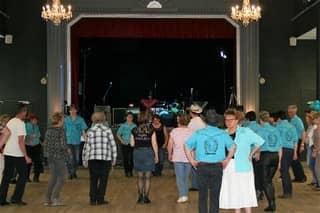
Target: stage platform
x: 122, y: 195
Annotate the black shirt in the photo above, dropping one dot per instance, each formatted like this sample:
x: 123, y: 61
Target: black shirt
x: 142, y: 136
x: 160, y: 135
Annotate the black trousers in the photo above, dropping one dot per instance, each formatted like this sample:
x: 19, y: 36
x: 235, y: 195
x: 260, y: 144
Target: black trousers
x: 258, y: 175
x: 99, y: 173
x: 270, y: 161
x: 287, y: 157
x: 297, y: 167
x: 34, y: 152
x: 209, y: 180
x: 127, y: 153
x: 10, y: 164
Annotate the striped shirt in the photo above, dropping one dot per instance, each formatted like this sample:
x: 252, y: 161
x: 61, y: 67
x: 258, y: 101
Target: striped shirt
x: 100, y: 144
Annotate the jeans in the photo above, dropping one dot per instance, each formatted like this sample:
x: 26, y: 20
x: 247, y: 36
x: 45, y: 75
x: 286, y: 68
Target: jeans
x: 210, y: 178
x: 57, y: 177
x: 287, y: 157
x: 99, y: 173
x: 194, y: 179
x: 312, y: 165
x: 159, y: 165
x: 127, y: 153
x: 297, y: 167
x: 73, y: 159
x: 11, y: 163
x: 182, y: 171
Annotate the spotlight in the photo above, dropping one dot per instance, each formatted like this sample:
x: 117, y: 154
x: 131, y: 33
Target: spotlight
x: 223, y: 54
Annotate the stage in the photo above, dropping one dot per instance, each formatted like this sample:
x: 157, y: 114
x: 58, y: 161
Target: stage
x: 122, y: 195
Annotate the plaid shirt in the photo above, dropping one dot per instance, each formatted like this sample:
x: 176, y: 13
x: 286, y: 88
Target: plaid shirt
x: 100, y: 144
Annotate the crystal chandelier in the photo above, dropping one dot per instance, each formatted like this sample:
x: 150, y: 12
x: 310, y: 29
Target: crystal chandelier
x: 247, y: 13
x: 56, y: 12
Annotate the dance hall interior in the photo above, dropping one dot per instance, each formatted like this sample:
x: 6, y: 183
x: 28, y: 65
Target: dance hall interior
x: 160, y: 106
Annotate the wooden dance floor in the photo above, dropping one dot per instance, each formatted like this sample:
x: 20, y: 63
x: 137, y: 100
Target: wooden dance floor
x: 122, y: 195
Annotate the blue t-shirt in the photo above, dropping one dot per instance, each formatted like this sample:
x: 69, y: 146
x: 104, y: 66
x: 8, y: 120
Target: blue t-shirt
x: 33, y: 129
x: 125, y: 130
x: 288, y: 134
x: 298, y: 124
x: 74, y: 129
x: 209, y: 144
x: 254, y: 126
x: 271, y: 135
x: 245, y: 139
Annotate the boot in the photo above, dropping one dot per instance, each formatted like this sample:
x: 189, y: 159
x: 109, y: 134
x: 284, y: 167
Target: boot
x: 146, y: 199
x: 36, y: 177
x: 140, y: 199
x: 271, y: 207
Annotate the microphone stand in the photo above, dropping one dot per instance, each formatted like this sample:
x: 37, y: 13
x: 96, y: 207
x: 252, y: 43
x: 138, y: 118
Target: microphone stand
x: 105, y: 94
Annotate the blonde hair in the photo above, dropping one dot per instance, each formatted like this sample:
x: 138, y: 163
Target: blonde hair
x: 264, y: 116
x: 56, y: 117
x: 237, y: 114
x: 98, y: 117
x: 144, y: 117
x: 183, y: 119
x: 4, y: 118
x: 293, y: 107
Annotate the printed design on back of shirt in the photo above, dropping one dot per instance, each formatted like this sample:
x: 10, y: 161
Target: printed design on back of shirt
x: 211, y: 146
x: 272, y: 139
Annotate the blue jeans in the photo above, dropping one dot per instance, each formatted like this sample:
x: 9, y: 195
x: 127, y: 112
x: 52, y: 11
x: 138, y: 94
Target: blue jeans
x: 312, y: 164
x: 73, y: 159
x: 182, y: 171
x: 194, y: 179
x: 210, y: 178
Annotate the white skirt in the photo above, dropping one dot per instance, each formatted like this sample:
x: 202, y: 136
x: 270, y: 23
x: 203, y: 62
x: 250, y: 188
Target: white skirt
x: 237, y: 189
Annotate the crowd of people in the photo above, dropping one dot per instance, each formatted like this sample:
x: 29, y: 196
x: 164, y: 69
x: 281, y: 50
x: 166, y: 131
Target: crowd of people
x: 231, y: 158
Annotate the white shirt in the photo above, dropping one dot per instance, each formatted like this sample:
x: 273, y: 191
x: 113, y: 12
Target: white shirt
x: 17, y: 128
x: 310, y: 131
x: 196, y: 123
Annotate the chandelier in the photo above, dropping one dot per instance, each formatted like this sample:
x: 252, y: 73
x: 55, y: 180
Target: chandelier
x: 56, y: 12
x: 247, y: 13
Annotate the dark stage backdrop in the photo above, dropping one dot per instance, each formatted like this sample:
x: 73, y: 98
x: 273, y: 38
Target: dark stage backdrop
x: 168, y: 68
x: 164, y: 67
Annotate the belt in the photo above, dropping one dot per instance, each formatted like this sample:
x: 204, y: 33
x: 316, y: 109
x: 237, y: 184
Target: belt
x: 208, y: 164
x: 143, y: 148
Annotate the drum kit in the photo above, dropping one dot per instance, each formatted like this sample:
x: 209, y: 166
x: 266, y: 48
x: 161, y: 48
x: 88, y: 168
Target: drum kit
x: 163, y: 108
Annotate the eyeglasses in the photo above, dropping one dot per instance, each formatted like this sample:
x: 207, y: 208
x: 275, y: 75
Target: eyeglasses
x: 230, y: 119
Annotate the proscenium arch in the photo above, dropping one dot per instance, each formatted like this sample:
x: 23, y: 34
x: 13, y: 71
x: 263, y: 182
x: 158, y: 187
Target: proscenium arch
x: 59, y: 63
x: 151, y: 16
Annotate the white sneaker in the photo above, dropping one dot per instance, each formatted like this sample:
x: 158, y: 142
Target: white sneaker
x: 56, y: 202
x: 182, y: 199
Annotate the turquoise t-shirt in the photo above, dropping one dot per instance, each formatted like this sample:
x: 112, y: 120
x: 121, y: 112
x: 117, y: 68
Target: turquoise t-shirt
x: 271, y: 135
x: 298, y: 124
x: 288, y: 134
x: 74, y: 129
x: 33, y: 129
x: 209, y: 144
x: 245, y: 139
x: 125, y: 130
x: 254, y: 126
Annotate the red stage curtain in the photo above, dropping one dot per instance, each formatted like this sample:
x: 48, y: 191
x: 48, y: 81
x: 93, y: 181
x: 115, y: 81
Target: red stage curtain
x: 142, y: 28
